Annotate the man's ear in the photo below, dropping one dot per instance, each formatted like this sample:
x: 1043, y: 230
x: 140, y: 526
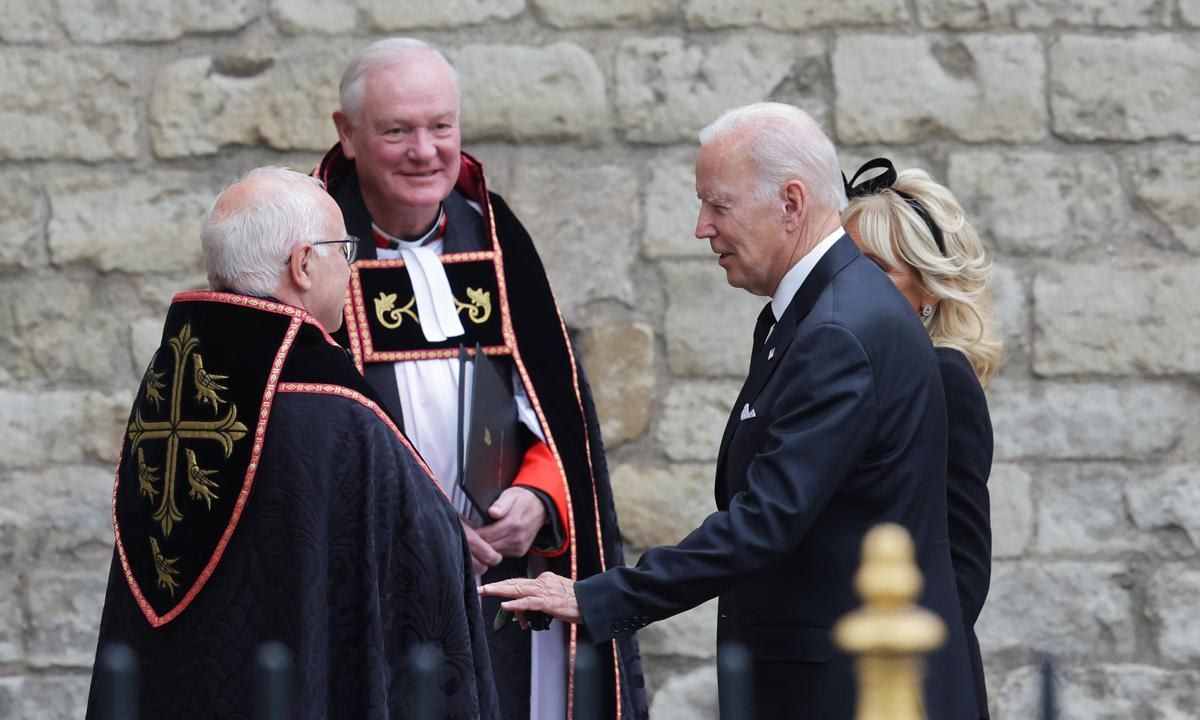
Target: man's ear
x: 795, y: 202
x: 299, y: 269
x: 345, y: 131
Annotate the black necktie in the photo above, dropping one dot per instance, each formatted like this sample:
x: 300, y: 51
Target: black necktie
x: 766, y: 320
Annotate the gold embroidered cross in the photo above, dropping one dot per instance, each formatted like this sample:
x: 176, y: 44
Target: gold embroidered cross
x: 226, y: 431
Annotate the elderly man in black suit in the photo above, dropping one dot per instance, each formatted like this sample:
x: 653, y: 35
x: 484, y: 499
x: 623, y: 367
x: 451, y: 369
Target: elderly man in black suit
x: 841, y: 424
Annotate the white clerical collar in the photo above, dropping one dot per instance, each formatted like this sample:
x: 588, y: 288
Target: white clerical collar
x: 791, y: 282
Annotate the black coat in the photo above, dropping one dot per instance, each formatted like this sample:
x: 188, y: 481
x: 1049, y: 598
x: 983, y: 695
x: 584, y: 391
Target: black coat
x: 969, y: 462
x: 847, y: 431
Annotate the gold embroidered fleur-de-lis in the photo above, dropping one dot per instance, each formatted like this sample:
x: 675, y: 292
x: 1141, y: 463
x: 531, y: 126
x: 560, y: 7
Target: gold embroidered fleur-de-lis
x: 206, y: 384
x: 164, y: 567
x: 389, y: 315
x: 154, y: 385
x: 201, y: 488
x: 146, y: 476
x: 480, y: 307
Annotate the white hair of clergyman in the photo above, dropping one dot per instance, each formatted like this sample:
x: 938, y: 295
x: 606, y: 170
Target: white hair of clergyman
x: 786, y: 144
x: 248, y: 240
x: 381, y: 54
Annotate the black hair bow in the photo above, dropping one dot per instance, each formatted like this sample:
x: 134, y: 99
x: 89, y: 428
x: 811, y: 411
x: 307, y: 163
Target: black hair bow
x: 884, y: 181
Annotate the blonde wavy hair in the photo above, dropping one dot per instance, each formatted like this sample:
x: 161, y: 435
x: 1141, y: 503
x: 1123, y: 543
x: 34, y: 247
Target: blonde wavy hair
x: 888, y: 226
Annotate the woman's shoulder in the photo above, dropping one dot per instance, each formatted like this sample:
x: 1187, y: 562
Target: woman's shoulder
x: 957, y: 372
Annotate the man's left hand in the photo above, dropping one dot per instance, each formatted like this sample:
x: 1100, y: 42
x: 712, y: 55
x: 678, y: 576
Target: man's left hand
x: 518, y: 515
x: 548, y: 593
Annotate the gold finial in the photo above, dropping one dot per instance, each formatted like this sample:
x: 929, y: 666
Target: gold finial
x: 889, y: 633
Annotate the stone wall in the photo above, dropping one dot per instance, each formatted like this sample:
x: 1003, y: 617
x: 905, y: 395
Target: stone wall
x: 1069, y: 128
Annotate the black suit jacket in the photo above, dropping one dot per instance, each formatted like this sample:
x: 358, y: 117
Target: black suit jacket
x: 969, y: 463
x: 848, y: 430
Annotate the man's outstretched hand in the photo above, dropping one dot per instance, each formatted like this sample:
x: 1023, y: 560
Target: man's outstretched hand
x: 548, y: 593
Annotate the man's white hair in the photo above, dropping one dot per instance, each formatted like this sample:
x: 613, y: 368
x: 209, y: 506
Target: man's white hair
x: 247, y: 240
x: 381, y: 54
x: 786, y: 144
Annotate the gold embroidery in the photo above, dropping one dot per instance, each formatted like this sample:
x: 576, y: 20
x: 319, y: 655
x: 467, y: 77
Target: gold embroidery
x: 146, y: 477
x: 226, y: 431
x: 154, y: 384
x: 385, y: 304
x: 165, y: 568
x: 480, y: 307
x: 201, y: 486
x: 207, y: 385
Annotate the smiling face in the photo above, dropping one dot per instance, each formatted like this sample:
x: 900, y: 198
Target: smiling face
x: 747, y: 234
x: 406, y: 144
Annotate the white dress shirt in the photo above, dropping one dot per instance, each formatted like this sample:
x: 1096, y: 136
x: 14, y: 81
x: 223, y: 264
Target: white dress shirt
x: 794, y: 278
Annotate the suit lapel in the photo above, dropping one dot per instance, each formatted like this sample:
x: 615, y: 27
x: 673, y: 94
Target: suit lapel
x: 766, y: 358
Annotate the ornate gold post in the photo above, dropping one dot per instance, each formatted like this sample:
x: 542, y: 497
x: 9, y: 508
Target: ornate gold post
x: 889, y: 633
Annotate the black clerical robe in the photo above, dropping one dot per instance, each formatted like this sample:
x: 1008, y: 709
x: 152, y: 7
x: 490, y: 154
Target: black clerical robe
x: 263, y: 494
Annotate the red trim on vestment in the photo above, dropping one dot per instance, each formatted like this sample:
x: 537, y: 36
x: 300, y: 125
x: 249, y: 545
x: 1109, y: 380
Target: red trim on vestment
x: 299, y: 317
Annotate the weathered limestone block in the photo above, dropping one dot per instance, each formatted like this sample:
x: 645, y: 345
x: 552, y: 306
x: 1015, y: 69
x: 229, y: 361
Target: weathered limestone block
x: 587, y: 240
x: 29, y: 21
x: 659, y: 506
x: 1012, y: 310
x: 977, y: 88
x: 1102, y: 692
x: 145, y: 337
x: 22, y: 223
x: 1100, y: 319
x: 12, y: 618
x: 63, y: 328
x: 48, y: 697
x: 1097, y: 421
x: 687, y: 697
x: 299, y: 17
x: 60, y: 426
x: 709, y: 325
x: 999, y: 14
x: 1125, y: 88
x: 106, y: 21
x: 1189, y: 11
x: 1041, y: 203
x: 142, y: 223
x: 619, y: 361
x: 1091, y: 615
x: 1010, y: 491
x: 692, y: 634
x: 671, y: 211
x: 1168, y: 500
x: 667, y: 90
x: 389, y: 16
x: 1167, y: 181
x: 573, y: 14
x: 1173, y: 592
x: 521, y: 93
x: 693, y: 419
x: 78, y: 104
x: 1081, y: 511
x: 789, y: 15
x: 281, y: 101
x: 64, y: 624
x: 59, y: 517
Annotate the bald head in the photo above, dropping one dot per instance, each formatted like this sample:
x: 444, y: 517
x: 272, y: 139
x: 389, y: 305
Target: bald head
x: 255, y: 224
x: 785, y: 144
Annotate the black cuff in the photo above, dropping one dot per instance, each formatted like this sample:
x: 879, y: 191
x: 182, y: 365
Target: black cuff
x: 551, y: 536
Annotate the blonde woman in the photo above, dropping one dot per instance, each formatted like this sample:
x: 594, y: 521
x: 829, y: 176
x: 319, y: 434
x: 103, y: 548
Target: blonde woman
x: 916, y: 231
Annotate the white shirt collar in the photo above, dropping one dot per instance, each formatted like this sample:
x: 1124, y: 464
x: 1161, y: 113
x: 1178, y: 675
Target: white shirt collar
x: 795, y: 277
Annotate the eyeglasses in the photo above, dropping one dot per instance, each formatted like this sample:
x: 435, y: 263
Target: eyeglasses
x: 349, y: 247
